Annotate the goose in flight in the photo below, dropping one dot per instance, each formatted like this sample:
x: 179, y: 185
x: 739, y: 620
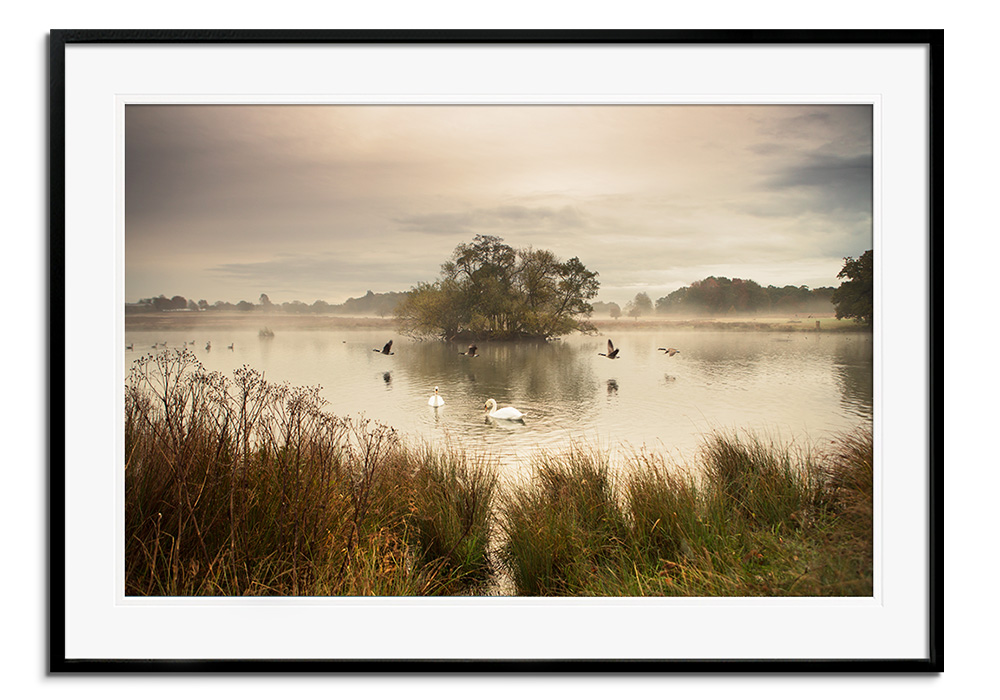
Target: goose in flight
x: 471, y: 352
x: 208, y: 345
x: 435, y: 400
x: 670, y: 351
x: 507, y: 413
x: 231, y: 346
x: 385, y: 349
x: 612, y: 351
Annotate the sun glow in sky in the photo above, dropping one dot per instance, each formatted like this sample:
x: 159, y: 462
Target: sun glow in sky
x: 327, y: 202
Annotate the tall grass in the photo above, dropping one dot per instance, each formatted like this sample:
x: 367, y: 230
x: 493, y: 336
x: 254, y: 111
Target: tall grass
x: 246, y: 487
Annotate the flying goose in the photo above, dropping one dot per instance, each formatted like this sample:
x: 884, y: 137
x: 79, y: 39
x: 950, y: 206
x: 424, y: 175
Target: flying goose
x: 612, y: 351
x: 471, y: 352
x: 385, y: 349
x: 670, y: 351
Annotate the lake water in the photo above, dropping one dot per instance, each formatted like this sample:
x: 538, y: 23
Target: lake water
x: 797, y: 387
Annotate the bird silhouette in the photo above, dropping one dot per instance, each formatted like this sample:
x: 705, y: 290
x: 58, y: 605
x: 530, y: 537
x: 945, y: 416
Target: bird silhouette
x: 385, y: 349
x: 612, y: 351
x: 670, y: 351
x: 231, y: 346
x: 471, y: 352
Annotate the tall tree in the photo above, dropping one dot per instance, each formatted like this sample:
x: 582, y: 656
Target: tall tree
x: 641, y: 305
x: 855, y: 297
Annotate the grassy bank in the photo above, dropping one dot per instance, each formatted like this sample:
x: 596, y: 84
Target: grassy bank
x: 764, y: 324
x: 238, y: 486
x: 756, y: 520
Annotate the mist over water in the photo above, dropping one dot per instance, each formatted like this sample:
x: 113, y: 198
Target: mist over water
x: 796, y: 387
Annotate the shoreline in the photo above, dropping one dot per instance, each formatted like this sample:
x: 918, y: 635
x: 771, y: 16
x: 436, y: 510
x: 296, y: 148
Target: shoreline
x: 166, y: 320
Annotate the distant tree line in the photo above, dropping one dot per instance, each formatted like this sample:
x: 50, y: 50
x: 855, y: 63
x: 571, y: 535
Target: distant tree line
x: 719, y: 296
x: 371, y: 304
x: 611, y: 309
x: 489, y: 289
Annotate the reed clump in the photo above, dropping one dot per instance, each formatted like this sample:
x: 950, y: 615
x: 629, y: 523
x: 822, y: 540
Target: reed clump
x: 560, y: 526
x: 240, y: 486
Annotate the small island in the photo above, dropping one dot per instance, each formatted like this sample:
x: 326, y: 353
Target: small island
x: 491, y: 291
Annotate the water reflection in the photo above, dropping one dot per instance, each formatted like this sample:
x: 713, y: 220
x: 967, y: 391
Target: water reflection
x: 852, y: 362
x: 803, y: 385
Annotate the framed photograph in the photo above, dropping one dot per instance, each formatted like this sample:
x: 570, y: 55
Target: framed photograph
x: 478, y: 350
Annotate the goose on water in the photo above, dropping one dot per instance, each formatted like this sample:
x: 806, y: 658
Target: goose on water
x: 506, y: 413
x: 612, y: 351
x: 435, y: 399
x: 670, y: 351
x: 471, y: 352
x: 385, y: 349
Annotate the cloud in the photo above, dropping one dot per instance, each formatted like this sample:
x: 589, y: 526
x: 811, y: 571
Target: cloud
x: 329, y: 276
x: 501, y: 218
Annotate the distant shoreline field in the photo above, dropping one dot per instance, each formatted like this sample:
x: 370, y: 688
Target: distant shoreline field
x: 166, y: 320
x: 784, y: 324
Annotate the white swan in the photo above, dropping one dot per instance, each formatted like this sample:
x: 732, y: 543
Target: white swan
x: 435, y: 399
x: 507, y: 413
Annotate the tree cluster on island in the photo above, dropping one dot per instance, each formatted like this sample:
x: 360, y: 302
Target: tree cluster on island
x: 491, y: 290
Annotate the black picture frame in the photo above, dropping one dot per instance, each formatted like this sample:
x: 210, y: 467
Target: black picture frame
x: 60, y: 39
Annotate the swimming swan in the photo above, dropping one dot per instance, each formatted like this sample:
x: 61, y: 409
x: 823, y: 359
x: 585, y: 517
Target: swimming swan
x: 507, y: 413
x: 435, y: 399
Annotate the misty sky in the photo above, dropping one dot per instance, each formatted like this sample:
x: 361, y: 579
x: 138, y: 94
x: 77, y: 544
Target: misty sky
x: 326, y: 202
